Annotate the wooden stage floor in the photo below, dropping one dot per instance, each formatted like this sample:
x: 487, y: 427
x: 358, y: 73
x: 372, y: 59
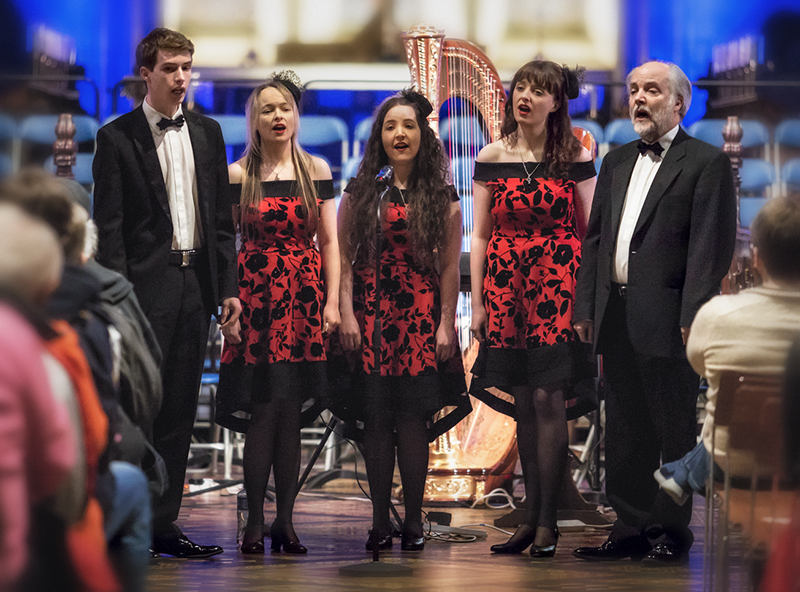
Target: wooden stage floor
x: 335, y: 530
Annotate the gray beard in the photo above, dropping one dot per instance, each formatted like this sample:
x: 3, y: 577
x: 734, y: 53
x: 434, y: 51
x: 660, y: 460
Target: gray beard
x: 652, y: 129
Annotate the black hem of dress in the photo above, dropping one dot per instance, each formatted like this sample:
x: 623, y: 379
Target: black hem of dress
x: 241, y: 385
x: 429, y: 393
x: 562, y: 363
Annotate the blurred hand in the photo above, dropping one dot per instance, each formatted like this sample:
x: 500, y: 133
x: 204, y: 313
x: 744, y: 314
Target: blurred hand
x: 445, y: 342
x: 480, y: 323
x: 585, y: 330
x: 330, y: 319
x: 349, y: 333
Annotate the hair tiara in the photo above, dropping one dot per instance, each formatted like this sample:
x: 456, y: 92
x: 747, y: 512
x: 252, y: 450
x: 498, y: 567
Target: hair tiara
x: 291, y: 81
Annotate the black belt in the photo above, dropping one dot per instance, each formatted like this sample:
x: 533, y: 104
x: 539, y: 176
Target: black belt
x: 621, y: 289
x: 187, y: 258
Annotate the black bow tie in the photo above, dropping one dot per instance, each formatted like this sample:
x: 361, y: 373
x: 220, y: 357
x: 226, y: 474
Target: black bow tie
x: 166, y: 122
x: 655, y: 148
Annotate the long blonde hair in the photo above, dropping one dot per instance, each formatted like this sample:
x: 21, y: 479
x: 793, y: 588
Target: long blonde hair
x: 253, y: 157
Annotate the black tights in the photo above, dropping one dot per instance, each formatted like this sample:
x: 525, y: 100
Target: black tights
x: 542, y: 442
x: 273, y: 440
x: 383, y: 430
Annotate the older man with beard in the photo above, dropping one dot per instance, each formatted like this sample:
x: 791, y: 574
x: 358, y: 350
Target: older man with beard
x: 660, y: 239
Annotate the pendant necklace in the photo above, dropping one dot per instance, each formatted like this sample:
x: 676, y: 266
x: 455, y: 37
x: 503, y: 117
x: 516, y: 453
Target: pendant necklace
x: 403, y: 197
x: 278, y: 172
x: 527, y: 184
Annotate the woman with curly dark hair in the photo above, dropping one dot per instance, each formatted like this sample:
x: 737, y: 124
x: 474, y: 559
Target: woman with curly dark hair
x: 532, y: 194
x: 282, y: 201
x: 406, y: 362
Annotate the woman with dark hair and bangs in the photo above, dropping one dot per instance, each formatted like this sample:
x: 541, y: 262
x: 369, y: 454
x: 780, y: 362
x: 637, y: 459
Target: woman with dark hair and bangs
x: 274, y: 357
x: 406, y: 362
x: 532, y: 195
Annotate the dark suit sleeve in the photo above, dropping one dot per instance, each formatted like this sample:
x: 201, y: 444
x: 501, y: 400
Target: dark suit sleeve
x: 108, y: 208
x: 587, y: 274
x: 712, y: 237
x: 226, y: 235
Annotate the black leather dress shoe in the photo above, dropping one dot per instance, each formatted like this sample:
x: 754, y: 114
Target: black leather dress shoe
x: 154, y: 555
x: 183, y: 548
x: 664, y: 554
x: 610, y: 551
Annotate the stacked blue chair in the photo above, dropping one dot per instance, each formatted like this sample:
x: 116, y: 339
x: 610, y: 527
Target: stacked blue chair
x: 754, y: 133
x: 320, y: 130
x: 618, y: 132
x: 463, y: 131
x: 40, y: 131
x: 788, y: 134
x: 757, y: 177
x: 8, y: 134
x: 592, y: 127
x: 81, y: 170
x: 234, y: 132
x: 361, y: 136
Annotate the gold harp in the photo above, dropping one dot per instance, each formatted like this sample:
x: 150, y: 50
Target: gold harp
x: 478, y: 454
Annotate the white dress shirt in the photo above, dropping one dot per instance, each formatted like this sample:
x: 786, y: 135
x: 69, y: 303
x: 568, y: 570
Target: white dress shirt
x: 644, y: 171
x: 175, y: 154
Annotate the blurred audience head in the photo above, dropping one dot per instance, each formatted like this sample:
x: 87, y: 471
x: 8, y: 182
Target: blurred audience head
x: 49, y: 198
x: 31, y: 259
x: 775, y: 233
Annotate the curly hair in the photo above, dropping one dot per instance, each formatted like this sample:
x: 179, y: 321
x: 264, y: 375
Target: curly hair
x: 253, y: 157
x: 427, y: 189
x: 561, y: 147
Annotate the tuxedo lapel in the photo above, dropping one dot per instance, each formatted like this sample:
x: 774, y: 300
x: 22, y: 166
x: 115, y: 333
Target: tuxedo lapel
x: 619, y: 186
x: 202, y: 168
x: 666, y: 174
x: 151, y: 167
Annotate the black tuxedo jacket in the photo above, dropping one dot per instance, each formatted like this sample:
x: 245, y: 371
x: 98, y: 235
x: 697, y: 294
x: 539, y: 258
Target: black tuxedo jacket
x: 681, y: 248
x: 131, y: 207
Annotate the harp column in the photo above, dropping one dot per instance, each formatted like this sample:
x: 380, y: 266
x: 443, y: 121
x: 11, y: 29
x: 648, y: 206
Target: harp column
x: 423, y: 46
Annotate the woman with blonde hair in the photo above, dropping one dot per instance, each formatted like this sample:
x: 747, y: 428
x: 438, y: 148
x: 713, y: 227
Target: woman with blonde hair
x: 289, y: 289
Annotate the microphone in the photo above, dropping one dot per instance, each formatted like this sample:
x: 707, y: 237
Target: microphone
x: 385, y: 175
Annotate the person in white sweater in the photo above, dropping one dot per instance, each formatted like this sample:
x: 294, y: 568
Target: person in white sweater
x: 749, y: 332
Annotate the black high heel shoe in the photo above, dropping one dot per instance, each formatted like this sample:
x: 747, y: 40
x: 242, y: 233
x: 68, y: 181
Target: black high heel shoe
x: 382, y: 541
x: 254, y: 548
x: 285, y: 537
x: 519, y: 541
x: 547, y: 551
x: 413, y: 537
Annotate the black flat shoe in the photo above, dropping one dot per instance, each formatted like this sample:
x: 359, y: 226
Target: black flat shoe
x: 383, y: 542
x: 285, y: 537
x: 610, y: 551
x: 183, y: 548
x: 547, y: 551
x: 519, y: 541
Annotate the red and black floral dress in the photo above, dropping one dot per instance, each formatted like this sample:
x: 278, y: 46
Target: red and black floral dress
x: 532, y: 260
x: 282, y: 353
x: 404, y: 374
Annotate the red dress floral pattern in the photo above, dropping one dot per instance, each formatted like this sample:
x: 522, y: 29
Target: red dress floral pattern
x: 409, y: 309
x: 280, y: 281
x: 532, y: 260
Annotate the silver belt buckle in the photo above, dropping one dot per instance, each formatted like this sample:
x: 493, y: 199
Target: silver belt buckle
x: 185, y: 258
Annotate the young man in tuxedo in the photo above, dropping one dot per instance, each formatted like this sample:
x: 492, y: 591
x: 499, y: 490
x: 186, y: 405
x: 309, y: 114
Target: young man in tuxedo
x: 660, y: 239
x: 163, y: 213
